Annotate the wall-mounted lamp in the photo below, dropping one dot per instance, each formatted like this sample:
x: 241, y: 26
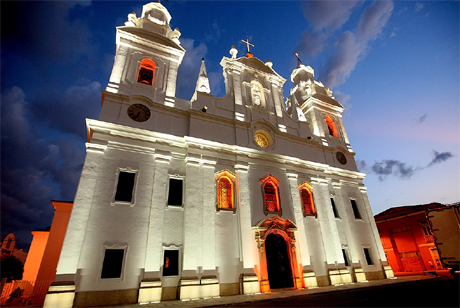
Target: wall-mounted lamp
x: 204, y: 108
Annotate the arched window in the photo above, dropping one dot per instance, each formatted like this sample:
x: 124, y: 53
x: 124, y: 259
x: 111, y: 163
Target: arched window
x: 225, y: 192
x: 307, y: 199
x: 331, y: 126
x: 146, y: 72
x: 225, y: 195
x: 271, y: 195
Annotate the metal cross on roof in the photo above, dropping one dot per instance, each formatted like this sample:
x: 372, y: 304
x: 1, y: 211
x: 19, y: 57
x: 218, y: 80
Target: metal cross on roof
x: 247, y: 43
x: 297, y: 55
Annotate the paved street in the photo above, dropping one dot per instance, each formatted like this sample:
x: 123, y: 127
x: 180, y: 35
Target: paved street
x: 406, y: 291
x: 437, y: 292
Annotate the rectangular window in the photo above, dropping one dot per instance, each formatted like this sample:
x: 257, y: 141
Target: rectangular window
x: 113, y: 263
x: 171, y: 263
x: 334, y: 209
x: 175, y: 192
x: 354, y: 206
x: 345, y: 257
x: 367, y: 253
x: 125, y: 186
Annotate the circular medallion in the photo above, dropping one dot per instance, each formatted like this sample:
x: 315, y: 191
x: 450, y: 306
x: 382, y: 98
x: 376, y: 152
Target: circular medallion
x: 139, y: 112
x: 341, y: 158
x: 261, y: 140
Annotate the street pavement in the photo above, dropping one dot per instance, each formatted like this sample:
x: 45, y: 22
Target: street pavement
x: 277, y: 298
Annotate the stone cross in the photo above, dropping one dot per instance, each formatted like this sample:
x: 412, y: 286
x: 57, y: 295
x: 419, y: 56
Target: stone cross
x: 247, y: 43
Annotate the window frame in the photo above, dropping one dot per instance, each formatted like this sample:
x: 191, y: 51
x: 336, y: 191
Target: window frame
x: 275, y: 182
x: 335, y: 211
x: 368, y: 255
x: 355, y: 209
x: 309, y: 188
x: 231, y: 177
x: 123, y: 263
x: 179, y: 260
x: 114, y: 193
x: 175, y: 177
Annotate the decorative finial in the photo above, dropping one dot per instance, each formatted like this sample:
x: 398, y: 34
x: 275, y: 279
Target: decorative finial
x: 233, y: 52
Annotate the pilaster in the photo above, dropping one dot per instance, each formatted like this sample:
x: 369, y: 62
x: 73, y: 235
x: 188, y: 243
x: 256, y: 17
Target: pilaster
x: 308, y: 276
x: 249, y: 281
x: 150, y: 286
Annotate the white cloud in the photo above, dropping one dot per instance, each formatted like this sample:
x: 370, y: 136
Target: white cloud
x: 351, y: 47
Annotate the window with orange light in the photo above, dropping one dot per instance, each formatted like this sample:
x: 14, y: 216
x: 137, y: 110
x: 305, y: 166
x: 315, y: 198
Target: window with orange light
x: 331, y: 126
x: 146, y: 73
x: 225, y: 193
x: 271, y: 197
x: 307, y: 201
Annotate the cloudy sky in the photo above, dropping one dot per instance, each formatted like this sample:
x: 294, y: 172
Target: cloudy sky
x: 394, y: 65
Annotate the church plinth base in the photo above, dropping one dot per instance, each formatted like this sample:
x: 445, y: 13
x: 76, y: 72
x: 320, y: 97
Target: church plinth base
x: 249, y: 284
x: 340, y: 276
x: 309, y: 279
x: 150, y: 290
x: 192, y: 288
x: 209, y: 287
x: 360, y: 275
x: 388, y: 271
x: 60, y: 295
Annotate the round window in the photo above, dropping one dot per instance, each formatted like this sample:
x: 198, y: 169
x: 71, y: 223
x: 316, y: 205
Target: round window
x: 261, y: 140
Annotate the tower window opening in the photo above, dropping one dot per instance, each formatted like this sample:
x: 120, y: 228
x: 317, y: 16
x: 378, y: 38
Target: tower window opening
x: 146, y: 72
x: 331, y: 126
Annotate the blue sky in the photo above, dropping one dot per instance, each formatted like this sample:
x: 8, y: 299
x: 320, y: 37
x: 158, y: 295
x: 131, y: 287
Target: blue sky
x: 394, y: 65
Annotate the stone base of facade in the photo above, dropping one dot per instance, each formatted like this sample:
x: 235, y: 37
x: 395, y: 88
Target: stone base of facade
x: 388, y: 271
x: 150, y: 290
x: 60, y: 295
x: 309, y: 280
x: 227, y: 289
x: 249, y: 284
x: 106, y: 298
x: 193, y: 287
x: 340, y: 276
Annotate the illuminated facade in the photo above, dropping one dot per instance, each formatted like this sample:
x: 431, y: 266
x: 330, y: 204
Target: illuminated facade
x: 214, y: 196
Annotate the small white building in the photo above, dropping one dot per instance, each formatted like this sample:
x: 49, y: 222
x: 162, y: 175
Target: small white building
x: 214, y: 196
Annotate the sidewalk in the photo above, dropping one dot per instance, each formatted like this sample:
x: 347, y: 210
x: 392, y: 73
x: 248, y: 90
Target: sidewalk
x: 234, y: 299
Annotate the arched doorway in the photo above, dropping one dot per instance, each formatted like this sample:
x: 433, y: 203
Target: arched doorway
x: 278, y: 263
x: 276, y: 241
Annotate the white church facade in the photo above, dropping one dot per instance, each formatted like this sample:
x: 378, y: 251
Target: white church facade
x: 214, y: 196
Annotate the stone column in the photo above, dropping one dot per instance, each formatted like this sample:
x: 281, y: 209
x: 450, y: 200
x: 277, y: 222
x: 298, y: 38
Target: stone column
x: 328, y: 226
x: 117, y: 70
x: 150, y: 286
x: 209, y: 281
x: 348, y: 227
x: 193, y: 229
x: 250, y: 283
x: 375, y: 233
x: 61, y: 293
x: 302, y: 226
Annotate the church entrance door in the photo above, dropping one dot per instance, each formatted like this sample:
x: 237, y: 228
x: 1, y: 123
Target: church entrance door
x: 278, y: 265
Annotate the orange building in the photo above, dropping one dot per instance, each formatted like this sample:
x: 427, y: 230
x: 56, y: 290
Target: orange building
x: 407, y: 238
x: 40, y: 265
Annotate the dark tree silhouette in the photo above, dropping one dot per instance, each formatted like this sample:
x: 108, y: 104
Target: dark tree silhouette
x: 12, y: 268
